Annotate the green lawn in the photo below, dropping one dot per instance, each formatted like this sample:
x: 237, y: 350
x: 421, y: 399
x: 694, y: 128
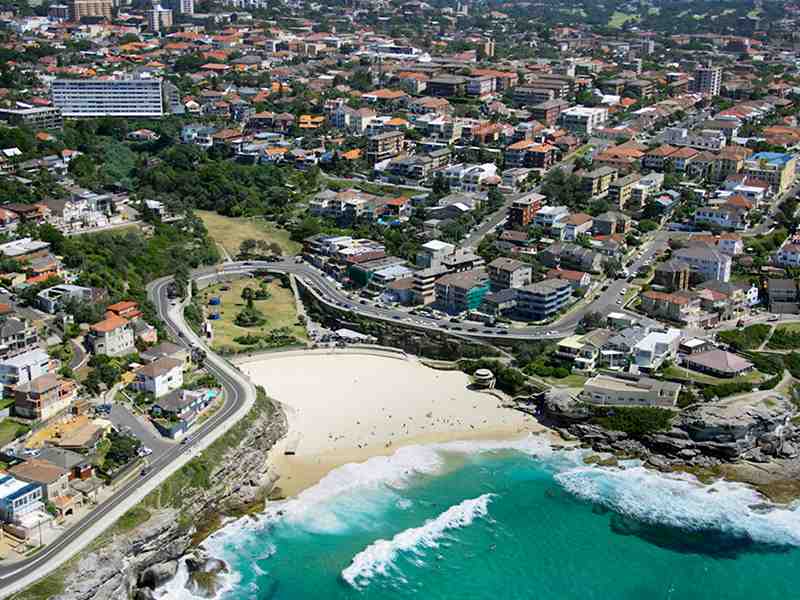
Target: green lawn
x: 11, y: 430
x: 789, y: 327
x: 686, y: 375
x: 618, y: 19
x: 230, y: 232
x: 279, y: 310
x: 574, y: 380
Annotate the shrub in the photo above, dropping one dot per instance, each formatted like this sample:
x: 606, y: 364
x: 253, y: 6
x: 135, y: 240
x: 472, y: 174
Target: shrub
x: 636, y: 421
x: 722, y: 390
x: 784, y: 339
x: 560, y: 372
x: 766, y: 363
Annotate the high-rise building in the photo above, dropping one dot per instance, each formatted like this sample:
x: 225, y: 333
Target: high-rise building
x: 184, y: 7
x: 159, y: 18
x: 132, y: 97
x: 708, y: 81
x: 79, y: 9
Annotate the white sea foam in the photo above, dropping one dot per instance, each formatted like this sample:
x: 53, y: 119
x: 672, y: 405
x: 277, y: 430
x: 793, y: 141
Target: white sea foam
x: 176, y: 588
x: 361, y: 490
x: 379, y: 556
x: 681, y: 501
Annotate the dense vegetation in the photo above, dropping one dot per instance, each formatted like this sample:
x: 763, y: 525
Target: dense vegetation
x: 784, y: 339
x: 636, y: 421
x: 749, y: 338
x: 509, y: 379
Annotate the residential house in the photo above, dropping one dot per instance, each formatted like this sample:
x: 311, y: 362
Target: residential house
x: 571, y: 256
x: 547, y: 216
x: 583, y: 351
x: 787, y: 255
x: 18, y: 498
x: 610, y: 223
x: 44, y: 397
x: 718, y: 363
x: 575, y: 225
x: 656, y: 348
x: 577, y: 279
x: 160, y: 376
x: 52, y: 479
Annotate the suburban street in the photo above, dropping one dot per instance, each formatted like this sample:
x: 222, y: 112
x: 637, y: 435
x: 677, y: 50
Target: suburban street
x: 239, y: 396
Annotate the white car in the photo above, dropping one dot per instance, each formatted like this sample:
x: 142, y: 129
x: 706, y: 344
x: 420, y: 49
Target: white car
x: 145, y: 451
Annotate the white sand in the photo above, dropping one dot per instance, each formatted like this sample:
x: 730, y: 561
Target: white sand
x: 346, y: 407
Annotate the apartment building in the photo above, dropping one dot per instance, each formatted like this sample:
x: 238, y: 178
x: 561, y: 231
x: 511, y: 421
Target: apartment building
x: 725, y: 216
x: 548, y: 112
x: 131, y: 97
x: 708, y: 263
x: 707, y: 81
x: 597, y: 182
x: 544, y: 299
x: 706, y: 139
x: 776, y: 168
x: 523, y: 209
x: 527, y: 96
x: 458, y: 292
x: 620, y: 190
x: 23, y: 368
x: 606, y: 390
x: 507, y: 273
x: 447, y: 86
x: 16, y: 336
x: 384, y: 146
x: 18, y: 498
x: 583, y: 120
x: 78, y: 9
x: 672, y: 275
x: 42, y: 117
x: 611, y: 222
x: 787, y: 255
x: 112, y: 336
x: 158, y: 18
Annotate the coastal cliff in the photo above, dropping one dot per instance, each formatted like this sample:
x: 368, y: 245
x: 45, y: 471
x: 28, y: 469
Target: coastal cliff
x: 754, y: 428
x: 231, y: 479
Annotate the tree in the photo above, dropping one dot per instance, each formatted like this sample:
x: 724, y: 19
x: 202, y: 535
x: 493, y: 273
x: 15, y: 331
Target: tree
x: 612, y: 268
x: 247, y: 247
x: 591, y: 321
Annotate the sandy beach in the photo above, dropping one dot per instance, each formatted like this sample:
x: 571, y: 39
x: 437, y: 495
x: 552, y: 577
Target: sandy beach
x: 346, y: 408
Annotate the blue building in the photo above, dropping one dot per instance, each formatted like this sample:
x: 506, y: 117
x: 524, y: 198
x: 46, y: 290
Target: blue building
x: 542, y: 300
x: 18, y: 498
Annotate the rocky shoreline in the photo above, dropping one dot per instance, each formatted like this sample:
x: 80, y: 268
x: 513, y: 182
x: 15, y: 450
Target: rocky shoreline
x: 134, y: 564
x: 755, y: 440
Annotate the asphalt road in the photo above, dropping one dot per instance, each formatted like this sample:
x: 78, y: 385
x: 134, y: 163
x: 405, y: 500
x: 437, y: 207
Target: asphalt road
x: 238, y: 391
x: 329, y: 292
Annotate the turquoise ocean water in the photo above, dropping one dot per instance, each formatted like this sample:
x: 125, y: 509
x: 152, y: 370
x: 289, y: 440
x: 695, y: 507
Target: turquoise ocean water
x: 509, y: 521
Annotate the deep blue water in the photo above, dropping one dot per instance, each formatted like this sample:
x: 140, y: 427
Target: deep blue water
x: 477, y: 521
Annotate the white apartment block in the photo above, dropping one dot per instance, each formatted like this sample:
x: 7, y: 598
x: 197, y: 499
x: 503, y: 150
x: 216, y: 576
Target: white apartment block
x: 109, y: 97
x: 583, y: 120
x: 710, y: 263
x: 707, y: 139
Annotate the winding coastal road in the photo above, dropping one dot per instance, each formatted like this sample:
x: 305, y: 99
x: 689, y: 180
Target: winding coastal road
x: 239, y: 396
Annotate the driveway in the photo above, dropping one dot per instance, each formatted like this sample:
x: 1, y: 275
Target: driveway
x: 121, y: 416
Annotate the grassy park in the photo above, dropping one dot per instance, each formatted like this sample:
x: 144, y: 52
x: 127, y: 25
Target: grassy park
x: 230, y: 232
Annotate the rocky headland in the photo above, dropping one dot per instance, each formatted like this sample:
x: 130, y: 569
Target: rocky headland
x: 133, y: 564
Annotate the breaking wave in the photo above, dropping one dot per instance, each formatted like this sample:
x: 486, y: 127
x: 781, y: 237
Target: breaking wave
x: 379, y: 556
x: 727, y: 510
